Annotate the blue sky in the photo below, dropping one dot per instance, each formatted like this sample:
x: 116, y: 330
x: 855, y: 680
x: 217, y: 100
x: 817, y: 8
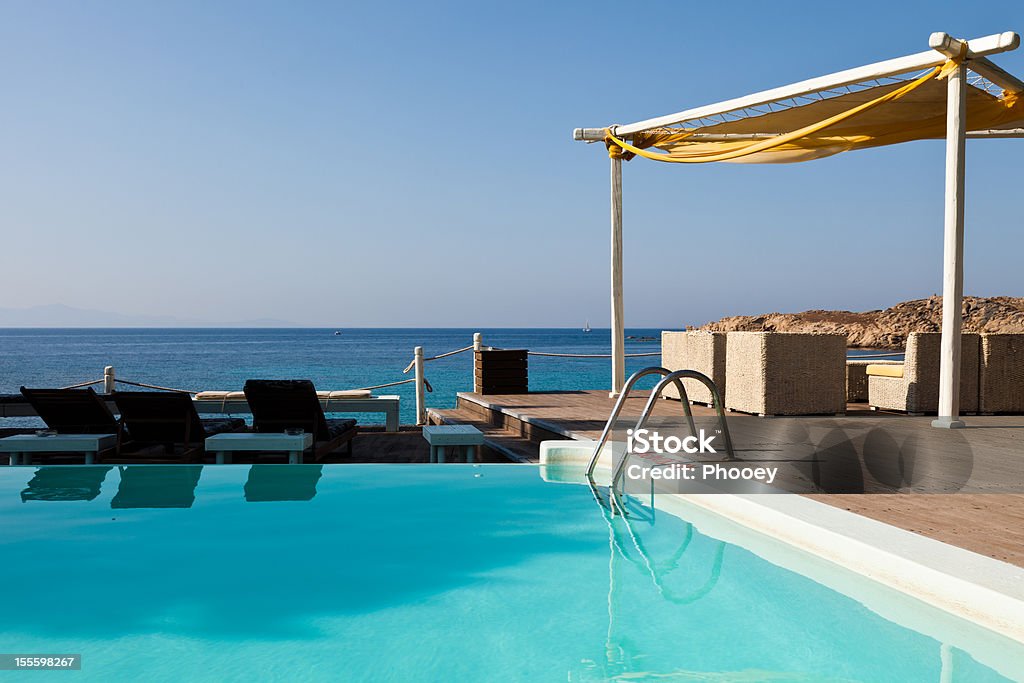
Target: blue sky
x: 388, y: 164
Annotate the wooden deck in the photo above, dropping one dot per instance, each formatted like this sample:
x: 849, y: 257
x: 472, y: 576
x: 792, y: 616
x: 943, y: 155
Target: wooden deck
x: 991, y: 449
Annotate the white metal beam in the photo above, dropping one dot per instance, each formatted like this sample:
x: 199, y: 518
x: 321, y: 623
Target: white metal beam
x: 977, y: 48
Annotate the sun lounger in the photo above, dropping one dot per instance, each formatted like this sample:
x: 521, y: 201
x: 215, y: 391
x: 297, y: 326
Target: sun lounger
x: 346, y: 401
x: 169, y: 419
x: 72, y: 411
x: 75, y: 412
x: 278, y: 405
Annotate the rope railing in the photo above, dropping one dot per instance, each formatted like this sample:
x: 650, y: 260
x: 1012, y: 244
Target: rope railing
x: 412, y: 363
x: 157, y: 387
x: 579, y: 355
x: 589, y: 355
x: 154, y: 386
x: 426, y: 385
x: 83, y: 384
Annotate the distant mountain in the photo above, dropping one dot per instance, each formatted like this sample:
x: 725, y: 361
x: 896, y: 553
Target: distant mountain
x: 59, y: 315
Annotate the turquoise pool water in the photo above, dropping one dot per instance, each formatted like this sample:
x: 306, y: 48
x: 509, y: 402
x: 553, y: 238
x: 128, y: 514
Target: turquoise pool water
x: 408, y: 573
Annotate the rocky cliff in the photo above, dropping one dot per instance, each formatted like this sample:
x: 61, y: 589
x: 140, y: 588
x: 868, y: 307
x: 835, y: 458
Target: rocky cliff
x: 886, y: 329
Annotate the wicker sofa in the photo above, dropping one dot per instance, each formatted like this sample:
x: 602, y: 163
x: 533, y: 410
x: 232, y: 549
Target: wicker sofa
x: 700, y: 351
x: 1001, y: 374
x: 775, y: 373
x: 913, y: 387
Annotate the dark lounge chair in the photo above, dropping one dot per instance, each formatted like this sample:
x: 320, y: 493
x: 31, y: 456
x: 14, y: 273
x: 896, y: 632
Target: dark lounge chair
x: 169, y: 419
x: 75, y: 411
x: 72, y: 411
x: 277, y: 405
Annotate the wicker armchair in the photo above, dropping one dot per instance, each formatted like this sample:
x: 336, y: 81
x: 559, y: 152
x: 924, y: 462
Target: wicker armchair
x: 857, y: 378
x: 700, y: 351
x: 775, y: 373
x: 913, y: 387
x: 1001, y: 374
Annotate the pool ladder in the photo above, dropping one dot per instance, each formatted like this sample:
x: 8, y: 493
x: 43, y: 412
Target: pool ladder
x: 667, y: 377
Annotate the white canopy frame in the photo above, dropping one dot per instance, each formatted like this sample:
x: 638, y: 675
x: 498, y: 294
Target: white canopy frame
x: 943, y: 47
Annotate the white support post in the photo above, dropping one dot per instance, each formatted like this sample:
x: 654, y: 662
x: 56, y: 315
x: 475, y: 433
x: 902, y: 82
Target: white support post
x: 953, y: 251
x: 478, y: 344
x: 421, y: 408
x: 618, y: 324
x: 108, y: 379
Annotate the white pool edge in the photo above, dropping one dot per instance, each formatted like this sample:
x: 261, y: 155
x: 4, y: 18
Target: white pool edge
x: 959, y: 583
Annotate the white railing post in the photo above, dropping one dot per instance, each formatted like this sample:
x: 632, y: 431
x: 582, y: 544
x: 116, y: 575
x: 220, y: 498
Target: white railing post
x: 421, y: 408
x: 108, y: 379
x: 478, y: 344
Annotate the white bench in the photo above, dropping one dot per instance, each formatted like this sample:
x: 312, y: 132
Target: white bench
x: 20, y: 447
x: 223, y: 445
x: 439, y: 437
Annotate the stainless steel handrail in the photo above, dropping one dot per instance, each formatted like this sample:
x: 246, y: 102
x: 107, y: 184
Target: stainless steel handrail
x: 675, y: 377
x: 621, y: 401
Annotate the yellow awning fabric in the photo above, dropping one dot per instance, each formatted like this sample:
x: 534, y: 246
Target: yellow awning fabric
x: 872, y: 117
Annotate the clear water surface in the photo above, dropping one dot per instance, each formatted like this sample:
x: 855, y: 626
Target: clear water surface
x: 408, y: 573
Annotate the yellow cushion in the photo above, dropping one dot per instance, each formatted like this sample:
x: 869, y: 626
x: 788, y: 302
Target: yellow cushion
x: 240, y: 395
x: 352, y: 393
x: 890, y: 370
x: 347, y: 393
x: 220, y: 396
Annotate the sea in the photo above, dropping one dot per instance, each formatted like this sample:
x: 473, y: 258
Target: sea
x: 222, y: 359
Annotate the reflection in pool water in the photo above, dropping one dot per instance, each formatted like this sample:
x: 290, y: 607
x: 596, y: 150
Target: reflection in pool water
x: 166, y: 486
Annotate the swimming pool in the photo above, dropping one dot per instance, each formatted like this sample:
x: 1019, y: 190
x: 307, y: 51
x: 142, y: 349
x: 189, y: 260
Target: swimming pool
x: 410, y: 573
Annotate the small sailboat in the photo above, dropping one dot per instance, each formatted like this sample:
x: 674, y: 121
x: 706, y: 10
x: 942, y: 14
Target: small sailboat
x: 586, y: 327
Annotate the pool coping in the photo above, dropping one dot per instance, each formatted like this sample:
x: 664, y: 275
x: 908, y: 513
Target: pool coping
x: 814, y: 539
